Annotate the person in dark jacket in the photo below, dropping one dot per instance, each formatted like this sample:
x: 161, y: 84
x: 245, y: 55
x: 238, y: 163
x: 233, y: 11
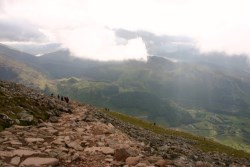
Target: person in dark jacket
x: 66, y: 99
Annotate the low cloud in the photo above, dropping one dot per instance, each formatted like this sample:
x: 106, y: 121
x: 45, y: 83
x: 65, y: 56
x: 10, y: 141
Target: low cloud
x: 35, y: 48
x: 19, y: 31
x: 101, y: 43
x: 159, y: 45
x: 80, y: 26
x: 85, y: 41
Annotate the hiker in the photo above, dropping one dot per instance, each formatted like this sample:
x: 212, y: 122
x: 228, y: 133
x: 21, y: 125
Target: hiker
x: 61, y: 98
x: 51, y: 95
x: 58, y: 97
x: 66, y: 99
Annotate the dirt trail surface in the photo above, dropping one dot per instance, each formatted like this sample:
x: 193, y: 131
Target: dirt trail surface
x: 89, y: 138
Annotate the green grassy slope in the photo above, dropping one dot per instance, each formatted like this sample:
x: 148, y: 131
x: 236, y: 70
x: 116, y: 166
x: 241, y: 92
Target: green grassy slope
x: 229, y: 130
x: 206, y: 145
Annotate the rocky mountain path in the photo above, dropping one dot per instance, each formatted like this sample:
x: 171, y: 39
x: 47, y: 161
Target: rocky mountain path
x: 85, y: 138
x: 70, y: 141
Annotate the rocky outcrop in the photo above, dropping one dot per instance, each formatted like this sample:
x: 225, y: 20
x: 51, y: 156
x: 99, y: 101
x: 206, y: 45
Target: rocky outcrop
x: 24, y: 106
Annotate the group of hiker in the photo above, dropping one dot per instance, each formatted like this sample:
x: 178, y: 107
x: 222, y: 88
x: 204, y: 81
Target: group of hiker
x: 62, y: 98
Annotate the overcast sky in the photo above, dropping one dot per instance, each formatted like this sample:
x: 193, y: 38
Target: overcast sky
x: 88, y: 27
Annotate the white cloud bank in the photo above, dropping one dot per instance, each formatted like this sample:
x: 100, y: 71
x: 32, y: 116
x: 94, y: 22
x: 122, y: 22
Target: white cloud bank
x: 81, y: 25
x: 71, y: 24
x: 101, y: 44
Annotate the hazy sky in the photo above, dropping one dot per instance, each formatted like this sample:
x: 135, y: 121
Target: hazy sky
x: 87, y: 27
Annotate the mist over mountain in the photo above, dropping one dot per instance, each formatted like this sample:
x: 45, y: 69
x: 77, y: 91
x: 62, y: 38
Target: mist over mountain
x: 36, y: 49
x: 160, y: 45
x: 205, y: 94
x: 18, y: 66
x: 181, y: 48
x: 25, y: 30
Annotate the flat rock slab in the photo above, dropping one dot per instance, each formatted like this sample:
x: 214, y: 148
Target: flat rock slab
x: 38, y: 161
x: 104, y: 150
x: 6, y: 154
x: 31, y: 140
x: 20, y: 127
x: 21, y: 152
x: 16, y: 143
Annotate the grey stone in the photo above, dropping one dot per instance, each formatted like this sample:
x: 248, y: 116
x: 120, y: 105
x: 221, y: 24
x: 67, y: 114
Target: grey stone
x: 53, y: 119
x: 75, y: 146
x: 163, y: 148
x: 25, y: 116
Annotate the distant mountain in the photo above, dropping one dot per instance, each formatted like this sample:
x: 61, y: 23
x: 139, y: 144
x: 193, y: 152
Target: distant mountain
x: 61, y: 64
x: 207, y: 95
x: 36, y: 49
x: 15, y: 70
x: 16, y: 54
x: 21, y: 67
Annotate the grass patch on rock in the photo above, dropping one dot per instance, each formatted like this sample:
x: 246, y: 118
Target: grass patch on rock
x: 12, y: 105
